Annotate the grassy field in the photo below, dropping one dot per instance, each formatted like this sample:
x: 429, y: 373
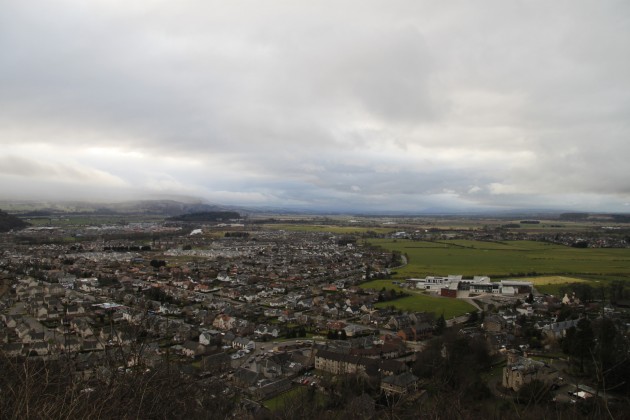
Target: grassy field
x: 552, y: 285
x: 379, y: 284
x: 507, y: 259
x: 295, y: 395
x: 419, y: 302
x: 554, y: 280
x: 87, y: 220
x: 327, y: 228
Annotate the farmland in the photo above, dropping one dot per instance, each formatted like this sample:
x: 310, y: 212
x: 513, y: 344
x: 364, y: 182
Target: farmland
x: 553, y: 284
x: 507, y: 259
x: 337, y: 229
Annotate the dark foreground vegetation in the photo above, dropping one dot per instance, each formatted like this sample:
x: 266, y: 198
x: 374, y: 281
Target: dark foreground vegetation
x: 56, y: 389
x: 9, y: 222
x: 206, y: 216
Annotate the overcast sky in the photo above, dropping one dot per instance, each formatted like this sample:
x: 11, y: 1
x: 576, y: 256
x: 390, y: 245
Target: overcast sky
x: 326, y: 105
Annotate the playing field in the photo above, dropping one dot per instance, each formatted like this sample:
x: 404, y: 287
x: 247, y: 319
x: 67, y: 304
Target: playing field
x: 420, y: 302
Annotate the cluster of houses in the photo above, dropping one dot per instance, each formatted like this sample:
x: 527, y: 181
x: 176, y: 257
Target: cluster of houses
x: 220, y: 305
x: 520, y: 371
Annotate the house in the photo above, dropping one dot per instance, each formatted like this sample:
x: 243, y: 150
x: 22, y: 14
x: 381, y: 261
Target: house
x: 494, y: 323
x: 419, y: 332
x: 339, y: 363
x: 41, y: 313
x: 207, y: 337
x: 39, y: 349
x: 224, y: 322
x: 557, y: 330
x: 33, y: 337
x: 22, y: 329
x: 400, y: 322
x: 82, y: 327
x: 263, y: 330
x: 70, y: 344
x: 357, y: 330
x: 228, y: 339
x: 192, y: 349
x: 10, y: 321
x: 74, y: 309
x: 268, y: 368
x: 92, y: 345
x: 521, y: 370
x: 13, y: 349
x: 401, y: 384
x: 243, y: 343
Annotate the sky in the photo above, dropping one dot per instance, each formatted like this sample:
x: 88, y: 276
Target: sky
x: 361, y: 106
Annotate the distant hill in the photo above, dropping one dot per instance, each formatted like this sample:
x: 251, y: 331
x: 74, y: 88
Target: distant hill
x: 206, y: 216
x: 164, y: 208
x: 9, y: 222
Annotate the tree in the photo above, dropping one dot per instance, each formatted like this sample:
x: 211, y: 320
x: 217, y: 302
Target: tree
x: 440, y: 325
x: 534, y: 392
x: 579, y: 341
x: 157, y: 263
x: 617, y: 288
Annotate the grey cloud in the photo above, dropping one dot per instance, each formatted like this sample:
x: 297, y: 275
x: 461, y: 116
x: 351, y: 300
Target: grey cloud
x: 486, y: 104
x: 28, y: 168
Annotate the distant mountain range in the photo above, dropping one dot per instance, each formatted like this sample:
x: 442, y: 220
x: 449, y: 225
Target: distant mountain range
x: 184, y: 205
x: 166, y: 208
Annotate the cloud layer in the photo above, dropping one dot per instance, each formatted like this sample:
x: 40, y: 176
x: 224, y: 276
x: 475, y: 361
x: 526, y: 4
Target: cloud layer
x: 351, y: 105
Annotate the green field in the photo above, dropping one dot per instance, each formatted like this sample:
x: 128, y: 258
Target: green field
x: 297, y: 395
x: 554, y: 280
x: 553, y: 285
x: 420, y: 302
x: 379, y: 284
x: 344, y: 230
x: 507, y: 259
x: 88, y: 220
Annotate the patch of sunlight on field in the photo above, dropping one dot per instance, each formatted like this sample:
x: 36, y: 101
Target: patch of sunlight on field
x: 538, y: 281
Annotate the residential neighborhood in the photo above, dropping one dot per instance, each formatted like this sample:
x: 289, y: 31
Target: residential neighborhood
x: 266, y: 312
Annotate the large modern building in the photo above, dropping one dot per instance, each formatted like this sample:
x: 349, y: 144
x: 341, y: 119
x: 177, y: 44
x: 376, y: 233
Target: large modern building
x: 452, y: 284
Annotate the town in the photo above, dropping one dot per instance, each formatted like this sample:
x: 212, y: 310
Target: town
x: 273, y: 316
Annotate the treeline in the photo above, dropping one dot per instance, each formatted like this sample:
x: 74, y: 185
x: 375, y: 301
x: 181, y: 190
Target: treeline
x: 618, y: 218
x: 9, y: 222
x: 206, y: 216
x: 386, y: 295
